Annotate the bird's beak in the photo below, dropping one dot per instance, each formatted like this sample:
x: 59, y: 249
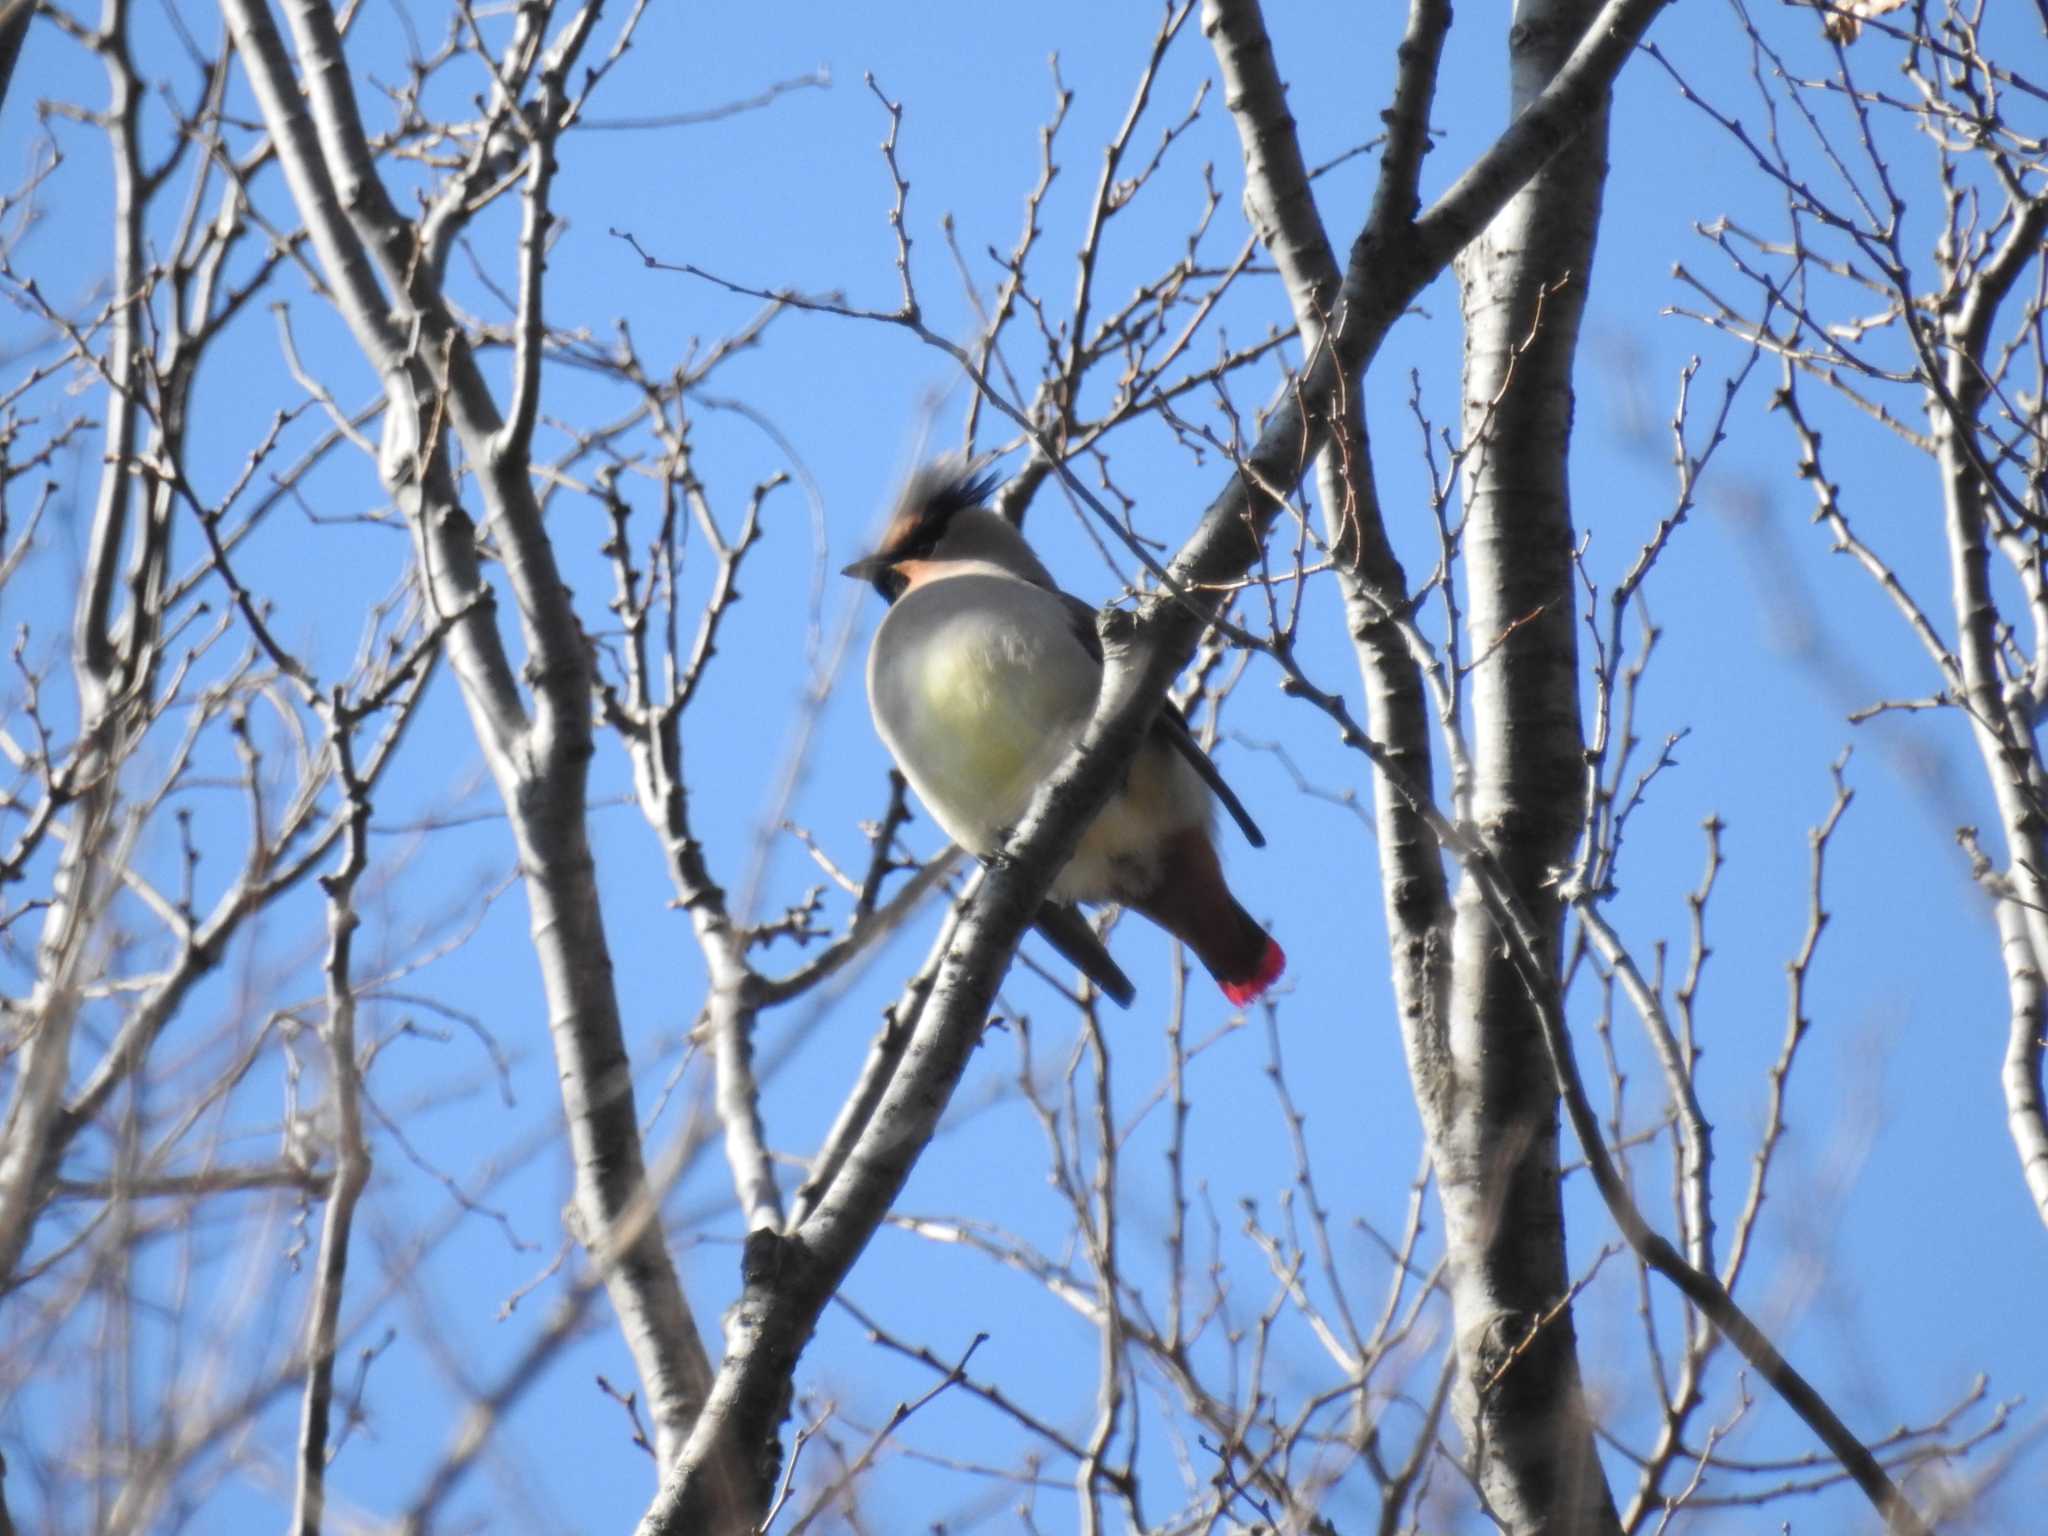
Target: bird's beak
x: 868, y: 569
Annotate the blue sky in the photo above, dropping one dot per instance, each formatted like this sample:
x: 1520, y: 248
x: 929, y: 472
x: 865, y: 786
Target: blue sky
x: 1901, y: 1245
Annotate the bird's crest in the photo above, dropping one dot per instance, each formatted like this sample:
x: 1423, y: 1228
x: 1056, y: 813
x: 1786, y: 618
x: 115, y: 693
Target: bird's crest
x: 933, y: 495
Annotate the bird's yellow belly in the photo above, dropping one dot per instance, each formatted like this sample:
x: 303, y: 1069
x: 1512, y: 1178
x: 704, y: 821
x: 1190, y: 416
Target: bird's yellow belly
x: 983, y: 725
x: 979, y: 709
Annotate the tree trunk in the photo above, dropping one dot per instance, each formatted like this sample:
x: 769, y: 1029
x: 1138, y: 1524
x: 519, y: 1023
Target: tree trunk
x: 1493, y: 1123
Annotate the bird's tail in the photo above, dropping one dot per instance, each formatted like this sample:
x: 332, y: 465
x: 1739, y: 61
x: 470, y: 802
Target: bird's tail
x: 1066, y: 930
x: 1192, y: 903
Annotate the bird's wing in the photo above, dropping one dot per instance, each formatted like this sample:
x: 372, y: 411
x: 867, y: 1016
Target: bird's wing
x: 1175, y: 726
x: 1171, y: 724
x: 1067, y: 931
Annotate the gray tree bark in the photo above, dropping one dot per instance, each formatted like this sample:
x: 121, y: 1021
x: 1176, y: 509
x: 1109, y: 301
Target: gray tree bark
x: 384, y: 270
x: 2001, y: 716
x: 1482, y: 1074
x: 1493, y: 1116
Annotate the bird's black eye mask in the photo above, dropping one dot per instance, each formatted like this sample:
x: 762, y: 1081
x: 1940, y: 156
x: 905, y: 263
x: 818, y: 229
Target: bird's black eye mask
x: 927, y: 509
x: 880, y: 570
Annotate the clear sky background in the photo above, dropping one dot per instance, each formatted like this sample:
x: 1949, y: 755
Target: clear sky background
x: 1902, y: 1257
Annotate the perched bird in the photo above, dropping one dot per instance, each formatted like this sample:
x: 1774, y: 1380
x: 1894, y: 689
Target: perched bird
x: 982, y: 677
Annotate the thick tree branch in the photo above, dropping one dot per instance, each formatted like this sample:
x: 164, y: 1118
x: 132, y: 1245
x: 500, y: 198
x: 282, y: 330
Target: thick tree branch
x: 1374, y: 586
x: 540, y: 766
x: 1493, y: 1128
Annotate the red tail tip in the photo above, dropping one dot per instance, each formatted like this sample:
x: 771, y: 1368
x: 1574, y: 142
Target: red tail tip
x: 1271, y: 964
